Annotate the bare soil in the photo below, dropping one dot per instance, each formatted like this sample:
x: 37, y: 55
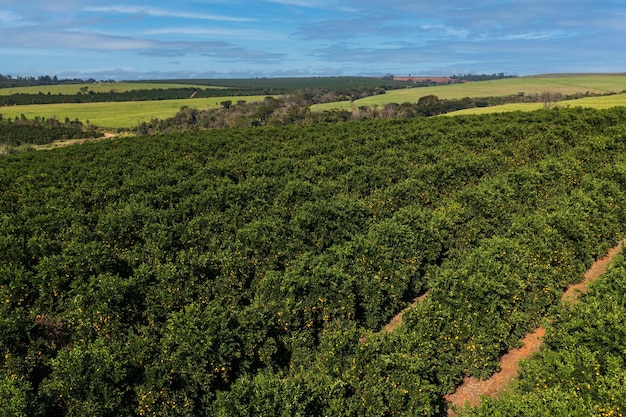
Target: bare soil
x: 397, y: 319
x: 70, y: 142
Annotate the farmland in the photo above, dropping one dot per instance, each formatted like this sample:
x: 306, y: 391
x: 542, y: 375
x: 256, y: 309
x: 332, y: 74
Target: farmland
x: 566, y: 85
x: 125, y: 105
x: 128, y: 114
x: 603, y: 102
x: 66, y: 89
x: 243, y: 272
x: 575, y: 373
x: 117, y: 115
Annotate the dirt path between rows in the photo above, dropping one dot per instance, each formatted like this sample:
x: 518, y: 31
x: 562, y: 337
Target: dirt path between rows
x: 472, y: 389
x: 71, y: 142
x: 397, y: 319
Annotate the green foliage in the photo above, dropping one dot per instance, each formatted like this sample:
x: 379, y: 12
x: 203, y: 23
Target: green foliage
x: 13, y: 396
x: 87, y: 379
x: 251, y: 271
x: 40, y: 131
x: 580, y: 371
x: 287, y: 85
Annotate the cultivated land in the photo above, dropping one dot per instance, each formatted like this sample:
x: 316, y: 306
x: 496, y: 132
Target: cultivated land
x: 474, y: 389
x: 564, y: 84
x: 250, y: 271
x: 129, y: 114
x: 66, y: 89
x: 603, y: 102
x: 120, y: 114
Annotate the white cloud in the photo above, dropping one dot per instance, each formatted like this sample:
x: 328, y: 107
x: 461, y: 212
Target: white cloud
x: 316, y: 5
x: 299, y: 3
x: 157, y: 12
x: 217, y: 32
x: 10, y: 19
x: 534, y: 36
x: 73, y: 40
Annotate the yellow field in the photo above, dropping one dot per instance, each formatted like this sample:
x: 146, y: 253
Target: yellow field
x: 129, y: 114
x: 603, y: 102
x: 118, y: 115
x: 66, y: 89
x: 564, y: 84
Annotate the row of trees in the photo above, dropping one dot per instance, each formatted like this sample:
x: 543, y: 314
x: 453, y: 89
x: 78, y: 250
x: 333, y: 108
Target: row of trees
x: 295, y: 109
x: 581, y: 369
x: 249, y: 271
x: 84, y: 95
x: 291, y: 85
x: 40, y: 131
x: 19, y: 81
x: 480, y: 77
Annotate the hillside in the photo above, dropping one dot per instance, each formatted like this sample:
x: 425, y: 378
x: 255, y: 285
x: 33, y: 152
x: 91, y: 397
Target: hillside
x: 127, y: 105
x: 245, y: 272
x: 563, y: 84
x: 580, y: 370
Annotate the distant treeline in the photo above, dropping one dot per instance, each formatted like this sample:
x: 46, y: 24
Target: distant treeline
x: 481, y: 77
x: 295, y: 109
x: 88, y: 96
x: 266, y: 85
x: 273, y: 86
x: 40, y: 131
x: 84, y: 95
x: 8, y: 81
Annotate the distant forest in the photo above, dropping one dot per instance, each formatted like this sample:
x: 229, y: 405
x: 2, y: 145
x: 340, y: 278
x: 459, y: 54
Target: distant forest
x: 481, y: 77
x: 11, y: 81
x: 7, y: 81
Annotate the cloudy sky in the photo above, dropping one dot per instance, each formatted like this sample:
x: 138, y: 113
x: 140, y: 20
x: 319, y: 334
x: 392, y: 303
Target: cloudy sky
x: 127, y: 39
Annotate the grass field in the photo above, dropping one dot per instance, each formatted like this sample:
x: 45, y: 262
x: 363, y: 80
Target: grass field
x: 129, y: 114
x: 67, y: 89
x: 603, y: 102
x: 117, y: 115
x: 564, y: 84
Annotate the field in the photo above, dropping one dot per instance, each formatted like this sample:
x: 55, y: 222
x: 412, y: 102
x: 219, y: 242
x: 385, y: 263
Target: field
x: 599, y: 84
x: 117, y: 115
x: 602, y: 102
x: 121, y: 87
x: 252, y: 271
x: 291, y: 84
x: 129, y: 114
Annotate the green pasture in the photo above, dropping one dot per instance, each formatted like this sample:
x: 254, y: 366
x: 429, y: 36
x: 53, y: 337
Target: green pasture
x: 603, y: 102
x: 564, y: 84
x: 129, y: 114
x: 68, y: 89
x: 118, y: 115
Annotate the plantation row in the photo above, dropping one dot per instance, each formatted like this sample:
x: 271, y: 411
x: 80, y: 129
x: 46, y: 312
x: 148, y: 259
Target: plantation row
x: 89, y: 96
x: 324, y: 91
x: 320, y: 95
x: 248, y: 272
x: 267, y: 85
x: 289, y: 85
x: 581, y: 370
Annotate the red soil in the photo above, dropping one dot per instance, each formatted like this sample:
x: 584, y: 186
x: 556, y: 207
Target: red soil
x: 397, y: 319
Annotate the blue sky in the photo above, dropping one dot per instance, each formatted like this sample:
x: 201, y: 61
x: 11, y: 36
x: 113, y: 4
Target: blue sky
x: 141, y: 39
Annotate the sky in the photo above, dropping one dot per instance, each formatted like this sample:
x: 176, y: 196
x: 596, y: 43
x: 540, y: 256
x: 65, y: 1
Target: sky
x: 156, y: 39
